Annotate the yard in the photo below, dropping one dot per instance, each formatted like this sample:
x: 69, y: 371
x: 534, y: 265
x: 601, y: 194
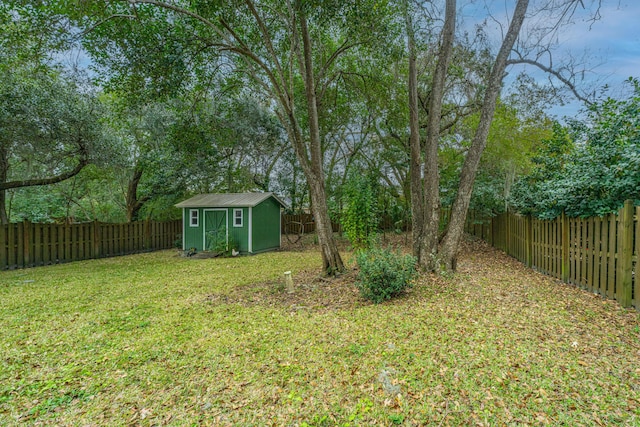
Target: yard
x: 158, y: 339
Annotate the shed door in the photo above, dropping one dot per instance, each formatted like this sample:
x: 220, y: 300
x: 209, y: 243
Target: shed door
x: 215, y: 230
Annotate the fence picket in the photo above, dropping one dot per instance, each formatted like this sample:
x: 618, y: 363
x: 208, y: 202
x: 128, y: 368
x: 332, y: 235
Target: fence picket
x: 46, y: 248
x: 25, y: 245
x: 636, y: 251
x: 21, y: 245
x: 572, y: 263
x: 599, y: 254
x: 584, y: 252
x: 3, y: 245
x: 555, y: 253
x: 12, y: 249
x: 611, y: 280
x: 625, y: 255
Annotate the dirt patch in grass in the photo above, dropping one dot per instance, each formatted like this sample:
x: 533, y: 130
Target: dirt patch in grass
x: 311, y: 292
x: 315, y: 292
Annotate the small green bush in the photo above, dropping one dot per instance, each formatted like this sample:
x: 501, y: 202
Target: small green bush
x: 384, y: 273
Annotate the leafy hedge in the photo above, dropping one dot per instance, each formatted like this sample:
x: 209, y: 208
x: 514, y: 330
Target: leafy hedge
x: 590, y: 167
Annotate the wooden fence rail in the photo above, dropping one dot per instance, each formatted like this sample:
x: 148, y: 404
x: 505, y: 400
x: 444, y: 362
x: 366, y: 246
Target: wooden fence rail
x: 301, y: 224
x: 26, y: 244
x: 601, y: 254
x: 293, y: 224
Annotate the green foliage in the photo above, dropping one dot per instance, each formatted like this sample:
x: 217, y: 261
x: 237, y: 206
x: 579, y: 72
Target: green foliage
x: 512, y: 140
x: 384, y: 273
x: 220, y: 244
x: 359, y: 214
x: 588, y: 168
x: 487, y: 198
x: 533, y: 194
x: 216, y: 242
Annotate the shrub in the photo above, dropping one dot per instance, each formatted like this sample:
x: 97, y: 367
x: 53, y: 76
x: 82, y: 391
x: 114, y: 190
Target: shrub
x: 220, y: 244
x: 384, y: 273
x: 359, y: 216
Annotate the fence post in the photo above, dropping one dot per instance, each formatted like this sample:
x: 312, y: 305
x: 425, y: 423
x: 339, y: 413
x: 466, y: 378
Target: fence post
x: 4, y: 245
x: 26, y: 242
x: 97, y: 244
x: 625, y: 261
x: 565, y: 248
x: 507, y: 234
x: 529, y: 240
x: 147, y: 234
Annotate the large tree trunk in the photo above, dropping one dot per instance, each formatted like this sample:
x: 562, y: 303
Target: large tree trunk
x: 431, y: 172
x: 134, y: 204
x: 453, y: 236
x: 331, y: 259
x: 415, y: 162
x: 425, y: 177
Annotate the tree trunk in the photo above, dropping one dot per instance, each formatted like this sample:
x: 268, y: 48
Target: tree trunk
x: 4, y: 172
x: 415, y: 162
x: 431, y: 172
x: 4, y: 218
x: 133, y: 203
x: 425, y: 177
x: 453, y: 236
x: 331, y: 259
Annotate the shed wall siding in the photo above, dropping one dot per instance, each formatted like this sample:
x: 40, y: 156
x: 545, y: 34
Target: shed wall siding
x: 240, y: 235
x: 192, y: 236
x: 266, y: 226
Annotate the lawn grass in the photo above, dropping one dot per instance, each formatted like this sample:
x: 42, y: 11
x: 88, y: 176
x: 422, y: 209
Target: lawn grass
x: 156, y: 339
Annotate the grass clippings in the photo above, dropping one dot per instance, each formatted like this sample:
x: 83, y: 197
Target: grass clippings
x: 157, y: 339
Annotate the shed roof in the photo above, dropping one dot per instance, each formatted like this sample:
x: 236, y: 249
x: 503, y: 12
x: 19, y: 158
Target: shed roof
x: 227, y: 200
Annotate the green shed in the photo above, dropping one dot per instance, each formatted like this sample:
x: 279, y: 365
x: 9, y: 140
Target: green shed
x: 248, y: 222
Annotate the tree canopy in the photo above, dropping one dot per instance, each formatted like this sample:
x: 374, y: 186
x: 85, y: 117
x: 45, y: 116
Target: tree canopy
x: 305, y: 99
x: 588, y: 167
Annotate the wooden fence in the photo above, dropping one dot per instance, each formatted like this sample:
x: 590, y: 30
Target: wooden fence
x: 26, y: 244
x: 600, y: 254
x: 301, y: 224
x: 292, y: 224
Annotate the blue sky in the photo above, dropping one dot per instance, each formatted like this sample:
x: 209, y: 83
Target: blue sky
x: 608, y: 48
x: 612, y: 44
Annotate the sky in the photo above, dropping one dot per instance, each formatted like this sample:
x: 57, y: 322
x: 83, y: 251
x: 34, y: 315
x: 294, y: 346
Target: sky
x: 610, y: 47
x: 612, y: 44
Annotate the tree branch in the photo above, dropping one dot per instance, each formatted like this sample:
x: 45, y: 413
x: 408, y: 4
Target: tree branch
x: 97, y: 24
x: 343, y: 48
x: 554, y: 73
x: 180, y: 10
x: 45, y: 181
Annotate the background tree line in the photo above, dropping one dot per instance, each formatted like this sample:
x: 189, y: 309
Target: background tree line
x: 401, y: 102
